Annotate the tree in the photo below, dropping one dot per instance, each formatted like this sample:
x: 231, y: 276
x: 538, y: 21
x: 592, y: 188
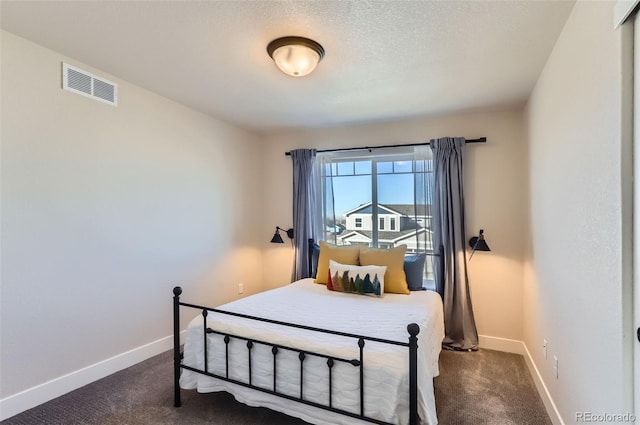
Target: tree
x: 367, y: 286
x: 376, y: 285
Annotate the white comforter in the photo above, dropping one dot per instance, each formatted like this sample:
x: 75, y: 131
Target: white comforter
x: 386, y: 384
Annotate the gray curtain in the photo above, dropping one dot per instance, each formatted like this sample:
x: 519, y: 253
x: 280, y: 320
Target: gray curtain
x: 423, y: 201
x: 304, y: 198
x: 449, y: 226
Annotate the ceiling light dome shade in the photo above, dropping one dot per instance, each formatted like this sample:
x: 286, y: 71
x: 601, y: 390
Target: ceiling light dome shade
x: 295, y: 56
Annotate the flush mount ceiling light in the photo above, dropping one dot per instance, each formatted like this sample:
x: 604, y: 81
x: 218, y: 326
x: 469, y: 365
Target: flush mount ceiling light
x: 295, y: 56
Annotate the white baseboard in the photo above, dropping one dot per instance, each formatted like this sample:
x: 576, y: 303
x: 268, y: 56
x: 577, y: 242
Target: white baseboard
x: 32, y: 397
x: 519, y: 347
x: 501, y: 344
x: 551, y: 407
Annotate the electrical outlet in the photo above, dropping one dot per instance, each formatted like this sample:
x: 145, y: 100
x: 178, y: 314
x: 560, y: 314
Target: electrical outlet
x: 555, y: 367
x: 240, y: 288
x: 544, y: 348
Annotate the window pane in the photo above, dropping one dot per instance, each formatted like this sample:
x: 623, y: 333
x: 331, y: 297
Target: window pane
x: 384, y: 167
x: 395, y: 189
x: 345, y: 168
x: 403, y: 167
x: 350, y: 193
x: 363, y: 167
x: 395, y: 194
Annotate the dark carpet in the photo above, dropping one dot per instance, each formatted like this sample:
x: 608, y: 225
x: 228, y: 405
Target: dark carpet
x: 487, y: 387
x: 482, y: 387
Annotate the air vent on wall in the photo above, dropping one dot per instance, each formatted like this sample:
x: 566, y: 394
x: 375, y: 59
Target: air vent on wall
x: 87, y: 84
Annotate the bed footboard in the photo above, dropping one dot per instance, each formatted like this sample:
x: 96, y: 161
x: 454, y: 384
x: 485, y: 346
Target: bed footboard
x: 412, y: 348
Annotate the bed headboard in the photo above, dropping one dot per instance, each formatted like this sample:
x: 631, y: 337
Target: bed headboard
x: 314, y: 251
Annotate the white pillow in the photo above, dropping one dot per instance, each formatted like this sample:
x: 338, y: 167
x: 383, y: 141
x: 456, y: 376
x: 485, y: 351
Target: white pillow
x: 365, y: 280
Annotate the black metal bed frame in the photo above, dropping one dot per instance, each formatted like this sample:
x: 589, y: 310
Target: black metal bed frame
x: 413, y: 329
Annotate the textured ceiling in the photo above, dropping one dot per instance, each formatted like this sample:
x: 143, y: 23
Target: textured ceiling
x: 384, y: 60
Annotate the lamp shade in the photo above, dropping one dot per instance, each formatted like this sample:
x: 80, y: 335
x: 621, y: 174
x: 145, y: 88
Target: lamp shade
x: 477, y: 243
x: 480, y: 245
x: 295, y: 56
x: 277, y: 238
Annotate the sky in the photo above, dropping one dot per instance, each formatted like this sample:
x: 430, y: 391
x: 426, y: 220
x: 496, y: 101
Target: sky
x: 351, y: 191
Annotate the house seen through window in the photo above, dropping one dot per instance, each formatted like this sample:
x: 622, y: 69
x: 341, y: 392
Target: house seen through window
x: 360, y: 191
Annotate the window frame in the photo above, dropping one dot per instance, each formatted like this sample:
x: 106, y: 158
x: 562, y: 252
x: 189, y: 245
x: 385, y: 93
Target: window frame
x: 366, y: 164
x: 394, y: 156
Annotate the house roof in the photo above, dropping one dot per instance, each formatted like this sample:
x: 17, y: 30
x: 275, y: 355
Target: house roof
x: 401, y: 209
x: 411, y: 210
x: 384, y: 236
x: 367, y: 209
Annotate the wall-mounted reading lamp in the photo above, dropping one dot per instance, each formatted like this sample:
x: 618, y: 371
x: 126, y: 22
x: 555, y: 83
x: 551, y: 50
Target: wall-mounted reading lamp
x: 277, y: 238
x: 477, y: 243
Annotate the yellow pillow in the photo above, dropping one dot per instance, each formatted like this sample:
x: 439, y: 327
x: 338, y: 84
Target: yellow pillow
x: 346, y: 254
x: 394, y: 279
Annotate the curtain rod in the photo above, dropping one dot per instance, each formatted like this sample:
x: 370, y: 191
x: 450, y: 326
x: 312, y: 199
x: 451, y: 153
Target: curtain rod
x: 480, y: 140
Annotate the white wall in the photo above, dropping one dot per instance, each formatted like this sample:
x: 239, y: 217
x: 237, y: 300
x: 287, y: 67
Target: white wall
x: 104, y: 210
x: 495, y: 199
x: 577, y: 264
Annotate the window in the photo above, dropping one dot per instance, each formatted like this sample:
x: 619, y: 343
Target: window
x: 359, y: 189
